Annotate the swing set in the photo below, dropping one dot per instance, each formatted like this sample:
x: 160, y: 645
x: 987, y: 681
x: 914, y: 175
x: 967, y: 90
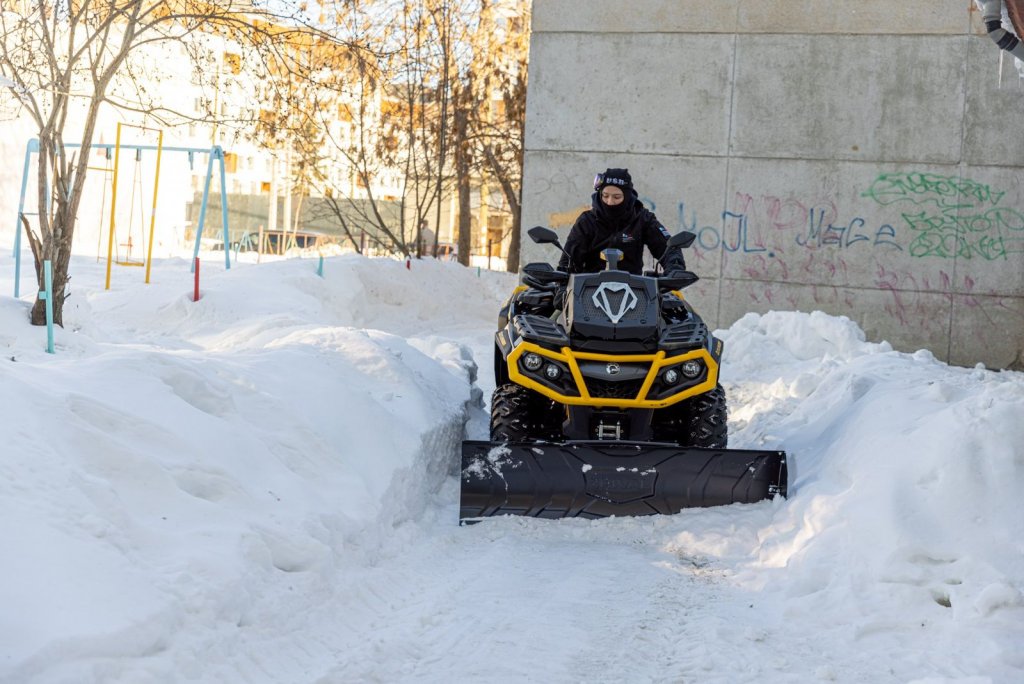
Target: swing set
x: 213, y: 153
x: 128, y: 259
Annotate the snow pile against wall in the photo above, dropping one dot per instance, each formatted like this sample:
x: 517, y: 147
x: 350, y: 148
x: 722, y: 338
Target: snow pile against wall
x: 904, y: 511
x: 862, y: 418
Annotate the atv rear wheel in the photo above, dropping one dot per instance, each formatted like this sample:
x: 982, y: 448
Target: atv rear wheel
x: 701, y: 421
x: 519, y: 414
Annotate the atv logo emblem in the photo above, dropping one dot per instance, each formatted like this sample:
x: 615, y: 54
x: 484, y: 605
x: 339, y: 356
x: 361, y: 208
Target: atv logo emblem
x: 621, y: 294
x: 612, y: 369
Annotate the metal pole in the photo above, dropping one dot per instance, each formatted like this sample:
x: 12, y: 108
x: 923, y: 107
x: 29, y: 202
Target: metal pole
x: 152, y: 216
x: 33, y: 146
x: 113, y: 204
x: 224, y: 210
x: 202, y: 208
x: 47, y: 294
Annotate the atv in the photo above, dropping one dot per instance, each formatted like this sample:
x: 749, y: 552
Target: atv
x: 608, y: 402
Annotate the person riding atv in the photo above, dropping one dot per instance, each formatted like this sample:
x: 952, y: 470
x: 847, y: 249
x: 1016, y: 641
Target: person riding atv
x: 607, y: 400
x: 617, y: 219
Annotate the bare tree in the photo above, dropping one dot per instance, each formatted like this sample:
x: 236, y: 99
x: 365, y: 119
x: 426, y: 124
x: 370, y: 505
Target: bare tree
x: 463, y: 171
x: 498, y: 106
x: 61, y: 58
x: 394, y: 100
x: 369, y: 144
x: 437, y: 97
x: 488, y: 84
x: 389, y: 118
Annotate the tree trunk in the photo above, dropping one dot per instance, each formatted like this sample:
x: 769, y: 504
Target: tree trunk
x: 513, y: 196
x: 272, y: 205
x: 462, y: 174
x: 59, y: 256
x: 515, y: 243
x: 442, y: 143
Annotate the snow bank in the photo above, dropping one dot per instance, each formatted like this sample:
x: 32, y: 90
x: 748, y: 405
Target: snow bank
x: 906, y: 475
x: 174, y: 460
x: 259, y: 487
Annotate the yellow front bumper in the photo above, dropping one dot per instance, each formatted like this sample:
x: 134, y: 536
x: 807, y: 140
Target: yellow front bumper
x: 571, y: 358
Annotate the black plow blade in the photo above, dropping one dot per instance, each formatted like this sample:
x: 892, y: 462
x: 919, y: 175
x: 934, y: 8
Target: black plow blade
x: 599, y: 479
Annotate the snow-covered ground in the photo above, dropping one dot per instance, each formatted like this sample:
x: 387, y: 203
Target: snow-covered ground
x: 261, y: 486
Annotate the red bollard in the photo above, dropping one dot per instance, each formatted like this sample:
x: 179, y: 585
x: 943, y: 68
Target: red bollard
x: 195, y: 295
x: 408, y: 264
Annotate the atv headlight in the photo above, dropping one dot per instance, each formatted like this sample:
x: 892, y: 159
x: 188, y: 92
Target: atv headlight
x: 533, y: 362
x: 552, y: 371
x: 671, y: 376
x: 692, y: 368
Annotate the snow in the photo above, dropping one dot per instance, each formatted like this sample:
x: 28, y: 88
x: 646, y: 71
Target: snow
x: 261, y: 486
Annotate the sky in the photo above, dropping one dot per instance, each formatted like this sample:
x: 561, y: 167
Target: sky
x: 262, y: 486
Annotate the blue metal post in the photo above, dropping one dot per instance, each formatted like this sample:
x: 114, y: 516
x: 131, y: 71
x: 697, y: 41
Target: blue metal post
x: 47, y: 294
x: 320, y: 267
x: 33, y: 146
x: 224, y: 210
x: 202, y: 209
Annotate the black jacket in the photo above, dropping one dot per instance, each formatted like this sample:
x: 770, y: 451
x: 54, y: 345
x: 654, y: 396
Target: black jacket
x: 633, y: 227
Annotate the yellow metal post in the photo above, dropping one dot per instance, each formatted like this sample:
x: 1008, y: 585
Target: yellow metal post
x: 152, y: 216
x: 113, y: 205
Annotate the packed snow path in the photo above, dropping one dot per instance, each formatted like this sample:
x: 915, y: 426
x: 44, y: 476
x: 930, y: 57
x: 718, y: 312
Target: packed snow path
x: 261, y: 487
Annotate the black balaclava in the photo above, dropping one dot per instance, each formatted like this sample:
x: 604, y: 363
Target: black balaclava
x: 621, y: 179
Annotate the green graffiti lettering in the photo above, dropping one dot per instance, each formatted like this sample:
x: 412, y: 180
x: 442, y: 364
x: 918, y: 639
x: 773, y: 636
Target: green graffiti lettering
x: 959, y: 217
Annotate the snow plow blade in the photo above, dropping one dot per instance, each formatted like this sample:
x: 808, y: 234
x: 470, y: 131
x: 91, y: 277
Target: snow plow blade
x: 599, y: 479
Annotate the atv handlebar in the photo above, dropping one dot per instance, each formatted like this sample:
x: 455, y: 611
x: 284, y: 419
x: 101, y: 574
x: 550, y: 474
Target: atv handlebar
x: 681, y: 279
x: 545, y: 277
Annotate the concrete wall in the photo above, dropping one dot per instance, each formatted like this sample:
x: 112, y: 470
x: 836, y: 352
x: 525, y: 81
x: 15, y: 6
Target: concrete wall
x: 859, y: 158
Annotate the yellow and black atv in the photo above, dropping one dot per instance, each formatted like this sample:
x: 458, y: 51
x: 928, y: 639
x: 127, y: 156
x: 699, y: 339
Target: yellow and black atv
x: 607, y: 402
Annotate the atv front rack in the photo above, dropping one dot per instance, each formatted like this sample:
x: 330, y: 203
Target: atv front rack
x: 573, y: 389
x: 599, y: 479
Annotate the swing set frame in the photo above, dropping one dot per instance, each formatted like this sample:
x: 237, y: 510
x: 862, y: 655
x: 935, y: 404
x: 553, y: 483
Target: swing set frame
x: 113, y: 199
x: 214, y: 153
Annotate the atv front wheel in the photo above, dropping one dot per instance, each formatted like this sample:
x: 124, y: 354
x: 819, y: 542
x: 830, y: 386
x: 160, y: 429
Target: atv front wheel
x: 519, y: 414
x: 701, y: 421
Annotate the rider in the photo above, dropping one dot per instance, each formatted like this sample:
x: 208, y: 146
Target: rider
x: 617, y: 219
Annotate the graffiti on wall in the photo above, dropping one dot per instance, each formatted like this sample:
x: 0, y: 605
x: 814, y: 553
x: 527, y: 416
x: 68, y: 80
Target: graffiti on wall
x: 813, y: 240
x: 941, y: 216
x: 810, y: 225
x: 950, y: 216
x: 881, y: 247
x: 893, y: 239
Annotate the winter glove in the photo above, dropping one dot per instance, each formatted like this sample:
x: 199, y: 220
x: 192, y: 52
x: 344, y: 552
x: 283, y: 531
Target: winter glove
x: 672, y: 262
